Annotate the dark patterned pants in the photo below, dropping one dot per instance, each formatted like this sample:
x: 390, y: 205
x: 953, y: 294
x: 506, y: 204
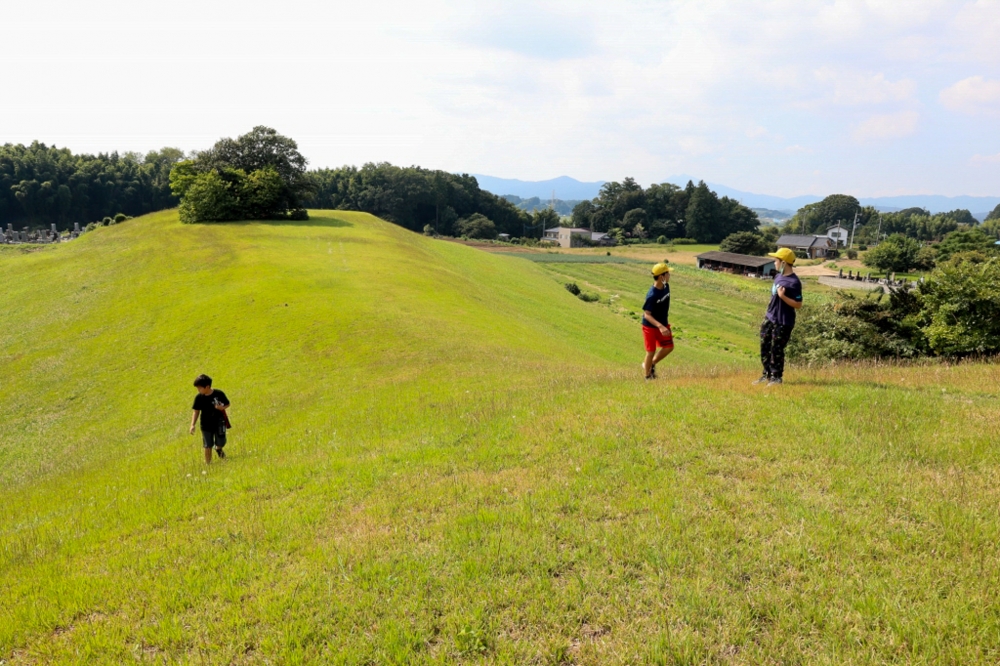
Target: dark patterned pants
x: 773, y: 338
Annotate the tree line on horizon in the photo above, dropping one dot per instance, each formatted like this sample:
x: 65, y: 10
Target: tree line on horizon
x: 42, y: 185
x: 262, y: 174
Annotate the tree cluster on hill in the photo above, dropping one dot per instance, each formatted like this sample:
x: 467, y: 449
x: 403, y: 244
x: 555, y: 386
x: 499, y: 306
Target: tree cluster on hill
x: 665, y: 209
x: 416, y: 198
x: 532, y: 204
x: 916, y: 223
x: 756, y: 243
x: 993, y: 214
x: 258, y: 176
x: 816, y: 218
x: 954, y: 313
x: 42, y: 185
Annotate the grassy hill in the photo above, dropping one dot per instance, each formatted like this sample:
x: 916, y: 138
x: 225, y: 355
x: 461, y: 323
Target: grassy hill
x: 441, y: 456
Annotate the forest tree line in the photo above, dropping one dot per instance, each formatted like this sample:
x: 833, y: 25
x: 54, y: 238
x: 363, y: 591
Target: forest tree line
x: 42, y: 185
x: 663, y: 211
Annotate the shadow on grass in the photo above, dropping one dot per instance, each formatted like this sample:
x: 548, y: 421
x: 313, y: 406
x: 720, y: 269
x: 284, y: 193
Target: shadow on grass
x: 313, y: 221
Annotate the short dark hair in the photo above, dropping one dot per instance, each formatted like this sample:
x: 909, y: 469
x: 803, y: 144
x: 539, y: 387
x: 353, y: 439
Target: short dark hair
x: 203, y: 381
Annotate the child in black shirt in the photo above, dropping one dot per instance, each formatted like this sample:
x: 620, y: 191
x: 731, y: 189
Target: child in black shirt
x: 211, y: 404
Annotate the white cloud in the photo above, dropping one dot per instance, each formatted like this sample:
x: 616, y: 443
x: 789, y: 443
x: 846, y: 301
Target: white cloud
x: 853, y: 88
x: 986, y: 159
x: 973, y: 95
x: 887, y: 126
x: 526, y: 89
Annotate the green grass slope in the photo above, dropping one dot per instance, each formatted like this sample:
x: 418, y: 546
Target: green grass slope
x: 441, y: 456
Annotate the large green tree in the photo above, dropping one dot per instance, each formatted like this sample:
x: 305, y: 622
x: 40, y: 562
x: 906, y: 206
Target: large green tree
x: 702, y: 216
x: 746, y: 242
x: 261, y: 150
x: 897, y: 253
x: 819, y: 216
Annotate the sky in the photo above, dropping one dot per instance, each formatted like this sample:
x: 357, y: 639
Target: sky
x: 791, y: 97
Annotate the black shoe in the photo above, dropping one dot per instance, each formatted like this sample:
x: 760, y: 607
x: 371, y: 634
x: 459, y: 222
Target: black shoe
x: 222, y: 454
x: 652, y: 372
x: 775, y: 382
x: 763, y: 380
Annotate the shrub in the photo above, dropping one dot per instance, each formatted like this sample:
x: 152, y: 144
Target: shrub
x: 298, y: 214
x: 106, y: 221
x: 862, y: 247
x: 588, y: 297
x: 965, y: 241
x: 120, y: 217
x: 852, y: 254
x: 429, y: 230
x: 685, y: 241
x: 476, y: 225
x: 962, y: 307
x: 661, y: 240
x: 745, y: 242
x: 926, y: 258
x: 572, y: 288
x: 860, y: 327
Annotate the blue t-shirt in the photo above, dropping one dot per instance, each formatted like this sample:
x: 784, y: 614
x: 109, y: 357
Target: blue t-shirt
x: 658, y: 304
x: 778, y: 311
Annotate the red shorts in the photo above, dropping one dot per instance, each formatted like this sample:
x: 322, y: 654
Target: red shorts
x: 653, y: 338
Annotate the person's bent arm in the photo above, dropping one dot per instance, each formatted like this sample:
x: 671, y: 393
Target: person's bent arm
x: 194, y: 419
x: 649, y: 318
x: 790, y: 302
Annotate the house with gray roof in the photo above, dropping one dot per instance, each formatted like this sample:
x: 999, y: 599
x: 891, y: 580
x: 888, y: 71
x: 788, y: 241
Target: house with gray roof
x: 737, y: 264
x: 812, y: 246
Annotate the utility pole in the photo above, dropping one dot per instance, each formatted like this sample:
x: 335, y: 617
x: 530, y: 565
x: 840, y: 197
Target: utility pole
x: 878, y: 234
x: 853, y: 229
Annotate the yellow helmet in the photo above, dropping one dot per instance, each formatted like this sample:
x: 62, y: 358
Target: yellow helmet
x: 784, y: 254
x: 661, y: 268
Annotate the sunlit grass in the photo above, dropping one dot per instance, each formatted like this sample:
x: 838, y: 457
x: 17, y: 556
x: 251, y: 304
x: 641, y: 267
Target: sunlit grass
x: 442, y: 456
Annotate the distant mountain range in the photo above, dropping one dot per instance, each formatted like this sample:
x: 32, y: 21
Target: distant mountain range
x: 570, y: 188
x: 564, y: 187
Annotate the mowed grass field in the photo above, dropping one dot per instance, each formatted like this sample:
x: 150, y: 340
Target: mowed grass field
x: 441, y: 456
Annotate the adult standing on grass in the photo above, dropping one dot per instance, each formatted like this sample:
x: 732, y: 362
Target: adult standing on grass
x: 211, y: 404
x: 655, y: 327
x: 786, y: 298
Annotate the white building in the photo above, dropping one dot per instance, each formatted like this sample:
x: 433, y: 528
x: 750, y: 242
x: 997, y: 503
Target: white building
x: 838, y: 234
x: 576, y: 237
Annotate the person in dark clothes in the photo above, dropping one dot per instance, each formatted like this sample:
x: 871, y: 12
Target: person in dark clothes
x: 786, y: 298
x: 655, y: 327
x: 211, y: 404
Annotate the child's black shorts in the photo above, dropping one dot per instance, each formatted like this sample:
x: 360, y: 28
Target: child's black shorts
x: 213, y: 439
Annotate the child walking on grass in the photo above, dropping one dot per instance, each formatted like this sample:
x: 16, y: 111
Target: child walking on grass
x: 786, y: 298
x: 211, y: 404
x: 655, y: 328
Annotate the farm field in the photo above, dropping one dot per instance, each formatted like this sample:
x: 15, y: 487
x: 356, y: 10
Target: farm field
x: 441, y: 456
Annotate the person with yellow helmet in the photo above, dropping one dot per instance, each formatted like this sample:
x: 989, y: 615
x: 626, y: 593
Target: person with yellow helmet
x: 786, y: 298
x: 655, y: 328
